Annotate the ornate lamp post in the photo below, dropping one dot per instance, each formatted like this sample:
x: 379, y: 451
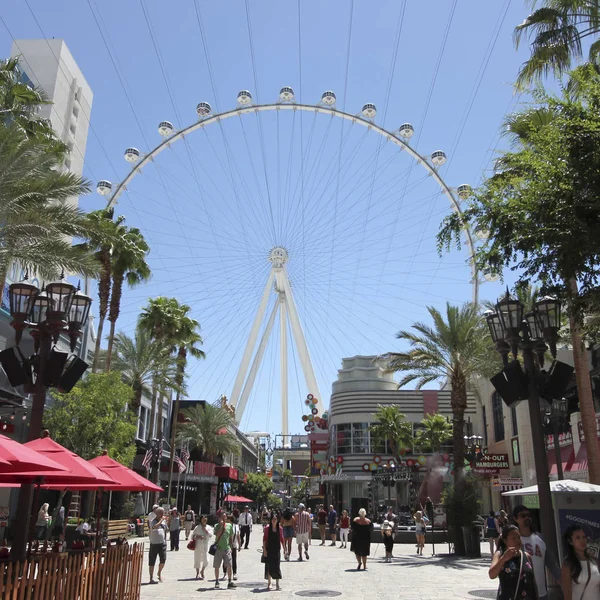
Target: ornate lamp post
x: 512, y: 330
x: 473, y: 447
x: 60, y: 308
x: 556, y: 418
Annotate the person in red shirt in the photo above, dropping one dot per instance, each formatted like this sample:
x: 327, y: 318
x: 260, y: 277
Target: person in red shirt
x: 322, y: 522
x: 344, y: 528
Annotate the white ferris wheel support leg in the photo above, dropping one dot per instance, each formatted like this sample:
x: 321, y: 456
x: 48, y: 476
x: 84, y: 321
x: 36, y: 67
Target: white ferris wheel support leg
x: 241, y: 376
x: 299, y: 339
x: 283, y: 365
x: 239, y: 409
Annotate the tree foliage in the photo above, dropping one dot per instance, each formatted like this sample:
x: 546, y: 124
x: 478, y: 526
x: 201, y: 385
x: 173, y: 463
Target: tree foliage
x: 541, y: 208
x: 390, y: 425
x: 435, y: 431
x: 93, y: 417
x: 258, y: 487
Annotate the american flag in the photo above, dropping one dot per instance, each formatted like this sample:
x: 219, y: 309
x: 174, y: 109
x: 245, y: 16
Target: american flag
x: 185, y: 455
x: 147, y: 462
x: 160, y: 451
x: 180, y: 464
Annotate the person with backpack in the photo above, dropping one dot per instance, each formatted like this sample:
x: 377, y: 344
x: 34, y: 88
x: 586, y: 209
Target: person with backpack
x: 189, y: 521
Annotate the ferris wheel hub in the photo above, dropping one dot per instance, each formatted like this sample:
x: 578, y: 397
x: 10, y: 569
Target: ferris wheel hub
x: 278, y: 256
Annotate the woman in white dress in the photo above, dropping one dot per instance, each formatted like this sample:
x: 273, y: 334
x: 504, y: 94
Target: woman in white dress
x: 580, y: 573
x: 201, y: 536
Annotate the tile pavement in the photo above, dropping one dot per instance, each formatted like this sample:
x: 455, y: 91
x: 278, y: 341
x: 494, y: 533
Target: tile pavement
x: 409, y: 577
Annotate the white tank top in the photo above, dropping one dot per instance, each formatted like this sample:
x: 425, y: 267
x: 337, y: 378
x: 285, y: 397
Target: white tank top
x: 592, y: 592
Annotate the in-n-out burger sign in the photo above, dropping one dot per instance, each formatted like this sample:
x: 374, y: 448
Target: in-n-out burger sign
x: 490, y: 464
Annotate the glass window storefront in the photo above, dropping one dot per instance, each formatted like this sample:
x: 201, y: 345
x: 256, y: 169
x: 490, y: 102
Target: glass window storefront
x: 360, y: 438
x: 353, y: 438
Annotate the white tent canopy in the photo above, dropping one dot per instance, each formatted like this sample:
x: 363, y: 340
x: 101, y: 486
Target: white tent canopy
x: 564, y: 486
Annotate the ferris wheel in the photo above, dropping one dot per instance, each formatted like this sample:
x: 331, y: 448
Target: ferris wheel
x: 287, y: 248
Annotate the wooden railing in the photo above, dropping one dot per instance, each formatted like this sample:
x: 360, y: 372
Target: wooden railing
x: 113, y: 573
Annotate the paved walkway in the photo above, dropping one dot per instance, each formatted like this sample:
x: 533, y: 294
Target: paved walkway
x: 409, y: 577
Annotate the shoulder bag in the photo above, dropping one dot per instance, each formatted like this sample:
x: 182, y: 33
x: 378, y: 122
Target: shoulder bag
x: 213, y: 547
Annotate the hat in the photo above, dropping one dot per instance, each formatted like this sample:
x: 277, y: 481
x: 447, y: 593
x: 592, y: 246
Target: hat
x: 246, y: 506
x: 386, y: 525
x: 301, y: 505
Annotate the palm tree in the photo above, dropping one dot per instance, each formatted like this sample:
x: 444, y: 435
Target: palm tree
x: 454, y: 349
x: 139, y: 359
x: 37, y: 222
x: 434, y: 433
x: 106, y: 233
x: 391, y: 427
x: 128, y: 263
x: 206, y: 428
x: 558, y: 29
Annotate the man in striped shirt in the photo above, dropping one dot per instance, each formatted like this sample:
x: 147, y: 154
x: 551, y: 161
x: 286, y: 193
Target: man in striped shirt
x: 303, y: 531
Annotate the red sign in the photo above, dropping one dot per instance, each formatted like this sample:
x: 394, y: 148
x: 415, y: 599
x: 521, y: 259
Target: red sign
x: 204, y: 468
x: 490, y: 464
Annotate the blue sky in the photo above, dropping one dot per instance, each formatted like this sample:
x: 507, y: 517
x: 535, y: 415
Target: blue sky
x: 358, y: 217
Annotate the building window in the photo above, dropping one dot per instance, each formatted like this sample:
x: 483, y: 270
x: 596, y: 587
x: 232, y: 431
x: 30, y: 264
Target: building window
x: 360, y: 438
x: 75, y: 112
x: 513, y: 417
x: 73, y: 129
x: 344, y: 438
x: 142, y: 423
x: 498, y: 416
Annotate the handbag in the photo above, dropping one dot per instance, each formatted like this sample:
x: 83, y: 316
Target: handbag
x: 213, y: 547
x: 263, y: 559
x: 191, y: 544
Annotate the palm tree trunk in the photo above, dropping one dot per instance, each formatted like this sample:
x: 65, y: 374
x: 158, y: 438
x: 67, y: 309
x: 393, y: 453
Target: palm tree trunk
x: 3, y: 272
x: 585, y: 395
x: 103, y: 296
x: 115, y: 308
x: 182, y: 359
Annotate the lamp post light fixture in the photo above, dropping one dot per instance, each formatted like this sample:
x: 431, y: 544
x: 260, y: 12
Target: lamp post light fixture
x: 556, y: 417
x: 530, y: 333
x: 473, y: 447
x: 46, y: 313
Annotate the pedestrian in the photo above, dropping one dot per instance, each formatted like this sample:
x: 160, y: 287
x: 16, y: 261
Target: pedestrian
x: 387, y: 532
x: 303, y: 525
x: 361, y: 538
x: 390, y: 516
x: 534, y: 545
x: 58, y: 526
x: 332, y: 519
x: 514, y: 567
x: 272, y: 544
x: 288, y: 523
x: 236, y: 543
x: 245, y: 527
x: 151, y: 516
x: 492, y: 530
x: 158, y: 543
x: 429, y: 508
x: 202, y: 536
x: 322, y: 522
x: 82, y: 531
x: 224, y: 542
x: 580, y: 577
x: 344, y: 529
x: 41, y: 525
x: 189, y: 521
x: 174, y: 529
x: 502, y: 521
x: 420, y: 527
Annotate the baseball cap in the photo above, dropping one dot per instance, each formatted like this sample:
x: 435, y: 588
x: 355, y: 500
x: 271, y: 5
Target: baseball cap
x: 301, y: 505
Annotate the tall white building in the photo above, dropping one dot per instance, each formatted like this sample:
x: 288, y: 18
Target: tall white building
x: 49, y: 65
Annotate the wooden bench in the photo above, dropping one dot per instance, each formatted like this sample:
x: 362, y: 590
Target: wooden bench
x: 118, y: 528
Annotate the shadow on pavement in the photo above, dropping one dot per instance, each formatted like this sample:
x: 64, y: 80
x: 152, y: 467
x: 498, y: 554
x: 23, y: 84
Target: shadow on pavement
x: 456, y: 563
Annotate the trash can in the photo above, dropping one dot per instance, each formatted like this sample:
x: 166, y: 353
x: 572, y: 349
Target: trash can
x: 139, y: 529
x: 472, y: 542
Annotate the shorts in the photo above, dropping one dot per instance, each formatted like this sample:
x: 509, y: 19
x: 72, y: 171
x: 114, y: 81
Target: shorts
x: 222, y: 556
x: 302, y: 538
x: 159, y: 550
x: 331, y: 529
x: 491, y: 533
x: 288, y: 532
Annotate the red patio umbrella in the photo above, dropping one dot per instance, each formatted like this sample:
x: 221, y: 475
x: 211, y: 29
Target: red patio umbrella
x: 79, y: 471
x: 21, y: 464
x: 230, y: 498
x: 125, y: 480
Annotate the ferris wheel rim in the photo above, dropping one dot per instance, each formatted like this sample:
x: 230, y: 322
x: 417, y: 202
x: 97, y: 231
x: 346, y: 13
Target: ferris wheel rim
x: 331, y: 110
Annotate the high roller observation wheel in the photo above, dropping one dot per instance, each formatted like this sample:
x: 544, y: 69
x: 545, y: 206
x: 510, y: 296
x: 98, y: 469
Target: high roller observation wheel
x: 327, y: 107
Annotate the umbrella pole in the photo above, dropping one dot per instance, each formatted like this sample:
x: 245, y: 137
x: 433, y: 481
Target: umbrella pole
x: 98, y: 512
x: 109, y: 503
x: 33, y: 515
x: 177, y: 495
x: 184, y: 485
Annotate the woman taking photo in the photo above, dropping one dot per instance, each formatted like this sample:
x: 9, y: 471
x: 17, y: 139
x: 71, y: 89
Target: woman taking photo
x: 202, y: 536
x: 344, y: 529
x: 361, y: 538
x: 420, y: 525
x: 272, y: 544
x: 580, y: 577
x: 513, y: 567
x: 289, y: 524
x: 41, y: 525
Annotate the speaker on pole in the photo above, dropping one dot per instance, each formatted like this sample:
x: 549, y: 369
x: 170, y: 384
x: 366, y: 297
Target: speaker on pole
x: 72, y: 374
x: 16, y: 367
x: 511, y: 384
x: 54, y: 368
x: 557, y: 381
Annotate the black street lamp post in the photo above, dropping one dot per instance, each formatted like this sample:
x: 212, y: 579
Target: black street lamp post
x: 556, y: 417
x: 511, y: 331
x: 59, y: 308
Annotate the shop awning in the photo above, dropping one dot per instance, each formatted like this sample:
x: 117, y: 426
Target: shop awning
x: 567, y: 457
x: 226, y: 473
x: 565, y: 486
